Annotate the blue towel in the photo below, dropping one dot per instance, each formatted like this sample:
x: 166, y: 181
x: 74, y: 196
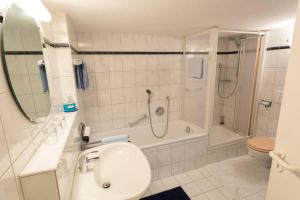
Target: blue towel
x: 116, y: 138
x: 81, y: 74
x: 43, y: 76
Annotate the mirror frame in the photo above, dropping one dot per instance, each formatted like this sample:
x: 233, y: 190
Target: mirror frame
x: 6, y: 72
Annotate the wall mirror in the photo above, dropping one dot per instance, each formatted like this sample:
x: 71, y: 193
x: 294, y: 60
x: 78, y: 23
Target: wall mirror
x: 23, y: 62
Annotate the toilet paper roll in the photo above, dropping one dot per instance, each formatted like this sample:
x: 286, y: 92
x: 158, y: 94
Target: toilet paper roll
x: 86, y: 134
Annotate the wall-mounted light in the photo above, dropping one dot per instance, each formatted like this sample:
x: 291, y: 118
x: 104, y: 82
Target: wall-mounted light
x: 34, y: 8
x: 5, y: 4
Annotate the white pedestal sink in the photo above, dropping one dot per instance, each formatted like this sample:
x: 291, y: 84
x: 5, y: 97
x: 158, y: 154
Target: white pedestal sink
x: 123, y: 166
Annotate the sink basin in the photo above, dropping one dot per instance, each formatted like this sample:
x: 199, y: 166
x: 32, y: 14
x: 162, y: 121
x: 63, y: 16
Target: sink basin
x: 121, y: 173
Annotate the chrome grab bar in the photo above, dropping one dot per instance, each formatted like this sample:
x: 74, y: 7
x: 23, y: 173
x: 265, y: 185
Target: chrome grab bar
x: 131, y: 124
x: 281, y: 164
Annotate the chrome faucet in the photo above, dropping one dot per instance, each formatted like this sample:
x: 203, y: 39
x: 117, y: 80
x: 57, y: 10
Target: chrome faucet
x: 84, y: 161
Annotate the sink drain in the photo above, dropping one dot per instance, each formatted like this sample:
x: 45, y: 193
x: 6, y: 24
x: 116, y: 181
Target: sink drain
x: 106, y: 185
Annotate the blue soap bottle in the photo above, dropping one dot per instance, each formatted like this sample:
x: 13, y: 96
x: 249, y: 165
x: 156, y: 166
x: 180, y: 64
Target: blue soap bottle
x: 70, y: 105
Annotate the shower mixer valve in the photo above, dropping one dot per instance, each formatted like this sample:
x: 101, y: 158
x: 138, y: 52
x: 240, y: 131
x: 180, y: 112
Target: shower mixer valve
x: 159, y: 111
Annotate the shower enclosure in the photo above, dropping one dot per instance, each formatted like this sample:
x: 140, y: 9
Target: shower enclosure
x: 223, y: 70
x: 237, y: 75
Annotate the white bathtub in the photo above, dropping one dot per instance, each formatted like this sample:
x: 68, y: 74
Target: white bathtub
x: 177, y: 152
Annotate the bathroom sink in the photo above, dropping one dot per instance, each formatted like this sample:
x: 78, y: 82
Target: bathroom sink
x: 121, y: 173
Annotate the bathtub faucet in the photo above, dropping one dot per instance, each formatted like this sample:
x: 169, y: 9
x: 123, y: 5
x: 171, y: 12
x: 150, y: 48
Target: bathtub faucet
x: 131, y: 124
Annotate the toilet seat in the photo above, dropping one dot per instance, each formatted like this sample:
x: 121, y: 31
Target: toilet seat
x: 261, y: 144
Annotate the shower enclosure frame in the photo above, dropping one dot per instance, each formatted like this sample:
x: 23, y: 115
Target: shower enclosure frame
x: 211, y: 74
x: 257, y: 76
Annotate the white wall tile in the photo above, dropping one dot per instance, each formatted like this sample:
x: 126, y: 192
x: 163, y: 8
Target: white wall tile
x: 164, y: 171
x: 105, y: 113
x: 164, y: 157
x: 101, y: 63
x: 117, y: 96
x: 116, y: 79
x: 99, y: 41
x: 130, y: 95
x: 118, y: 111
x: 130, y: 109
x: 152, y: 158
x: 17, y: 132
x: 8, y: 186
x: 178, y: 154
x: 90, y: 99
x: 102, y: 80
x: 115, y: 63
x: 274, y: 72
x: 104, y: 97
x: 129, y: 79
x: 114, y: 41
x: 85, y: 42
x: 128, y: 63
x: 123, y: 79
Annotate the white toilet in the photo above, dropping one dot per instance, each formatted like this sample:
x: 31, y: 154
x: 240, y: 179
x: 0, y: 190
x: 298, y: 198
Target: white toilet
x: 259, y: 148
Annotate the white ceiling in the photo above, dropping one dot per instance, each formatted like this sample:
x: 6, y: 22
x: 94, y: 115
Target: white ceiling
x: 174, y: 16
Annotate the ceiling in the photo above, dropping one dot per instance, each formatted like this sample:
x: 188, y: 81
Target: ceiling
x: 176, y: 17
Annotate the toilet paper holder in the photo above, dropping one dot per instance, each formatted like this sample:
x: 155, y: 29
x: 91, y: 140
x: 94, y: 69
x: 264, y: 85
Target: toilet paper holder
x: 82, y: 128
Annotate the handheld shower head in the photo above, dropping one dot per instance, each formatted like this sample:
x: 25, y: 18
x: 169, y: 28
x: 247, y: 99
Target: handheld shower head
x: 148, y: 91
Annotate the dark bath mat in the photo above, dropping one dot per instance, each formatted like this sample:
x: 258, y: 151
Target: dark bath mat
x: 173, y: 194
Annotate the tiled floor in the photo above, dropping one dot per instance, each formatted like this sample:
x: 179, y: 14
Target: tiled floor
x: 240, y: 178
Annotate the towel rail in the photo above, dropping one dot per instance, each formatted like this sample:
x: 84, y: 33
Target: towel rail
x: 281, y: 164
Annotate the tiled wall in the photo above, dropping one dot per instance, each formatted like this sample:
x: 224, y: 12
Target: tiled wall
x: 195, y: 92
x: 226, y: 152
x: 20, y: 138
x: 177, y: 157
x: 274, y: 70
x: 118, y: 82
x: 60, y: 31
x: 227, y: 64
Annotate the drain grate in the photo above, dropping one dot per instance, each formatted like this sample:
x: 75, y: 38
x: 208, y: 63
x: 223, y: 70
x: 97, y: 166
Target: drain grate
x: 106, y: 185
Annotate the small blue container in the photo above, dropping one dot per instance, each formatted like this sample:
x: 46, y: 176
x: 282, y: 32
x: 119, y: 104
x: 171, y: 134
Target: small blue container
x: 70, y: 107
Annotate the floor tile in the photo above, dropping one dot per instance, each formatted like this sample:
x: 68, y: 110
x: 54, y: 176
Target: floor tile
x: 156, y: 187
x: 205, y: 172
x: 239, y: 178
x: 255, y: 197
x: 183, y: 179
x: 191, y: 189
x: 195, y: 175
x: 200, y: 197
x: 205, y: 185
x: 215, y: 195
x: 229, y: 193
x: 170, y: 182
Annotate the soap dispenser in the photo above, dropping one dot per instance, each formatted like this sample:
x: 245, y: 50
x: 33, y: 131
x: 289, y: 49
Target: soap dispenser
x: 70, y: 105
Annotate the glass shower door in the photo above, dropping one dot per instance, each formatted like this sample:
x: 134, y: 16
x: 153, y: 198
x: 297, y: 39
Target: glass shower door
x: 245, y: 97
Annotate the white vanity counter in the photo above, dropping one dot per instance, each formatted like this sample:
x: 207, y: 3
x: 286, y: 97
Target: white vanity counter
x: 48, y: 154
x: 51, y: 169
